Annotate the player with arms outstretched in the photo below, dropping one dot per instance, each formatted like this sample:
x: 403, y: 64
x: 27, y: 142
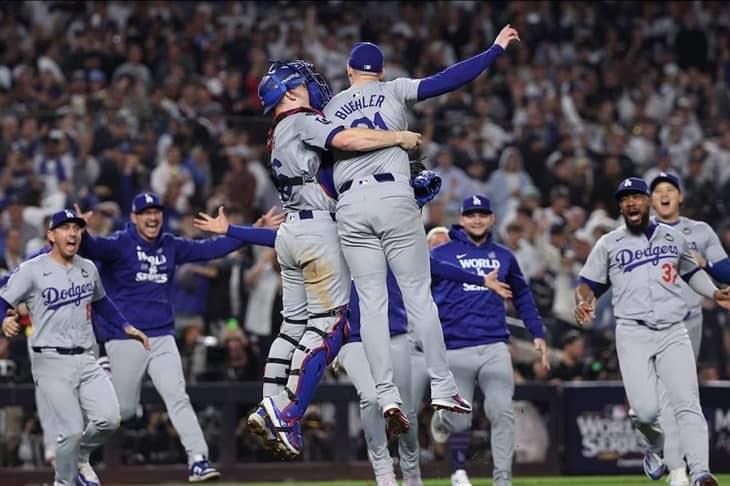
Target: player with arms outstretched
x: 379, y: 223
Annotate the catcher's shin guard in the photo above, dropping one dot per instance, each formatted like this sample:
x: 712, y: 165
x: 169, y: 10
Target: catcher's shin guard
x: 276, y: 371
x: 322, y: 340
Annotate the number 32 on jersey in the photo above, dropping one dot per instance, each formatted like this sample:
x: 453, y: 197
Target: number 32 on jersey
x: 669, y: 272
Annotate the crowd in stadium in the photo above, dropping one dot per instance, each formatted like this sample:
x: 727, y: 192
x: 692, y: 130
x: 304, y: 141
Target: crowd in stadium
x: 102, y: 100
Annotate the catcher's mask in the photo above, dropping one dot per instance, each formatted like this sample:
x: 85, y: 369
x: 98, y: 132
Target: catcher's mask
x: 285, y: 75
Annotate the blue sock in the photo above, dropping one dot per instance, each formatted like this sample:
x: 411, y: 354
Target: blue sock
x: 458, y: 445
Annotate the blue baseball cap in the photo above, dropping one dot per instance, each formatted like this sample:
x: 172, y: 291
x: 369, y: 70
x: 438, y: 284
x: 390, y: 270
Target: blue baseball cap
x: 632, y: 185
x: 366, y: 56
x: 665, y: 177
x: 146, y: 200
x: 65, y: 216
x: 476, y: 204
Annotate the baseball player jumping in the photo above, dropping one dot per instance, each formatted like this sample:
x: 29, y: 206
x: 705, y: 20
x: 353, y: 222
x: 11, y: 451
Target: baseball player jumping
x: 315, y: 277
x: 60, y: 289
x: 138, y: 264
x: 475, y: 329
x: 666, y: 196
x: 379, y: 223
x: 643, y: 261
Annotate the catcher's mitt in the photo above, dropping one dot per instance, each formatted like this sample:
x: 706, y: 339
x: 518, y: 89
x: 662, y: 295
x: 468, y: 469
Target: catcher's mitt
x: 426, y: 184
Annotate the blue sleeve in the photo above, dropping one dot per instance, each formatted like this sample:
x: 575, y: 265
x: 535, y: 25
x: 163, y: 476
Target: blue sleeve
x: 104, y: 249
x: 106, y: 309
x: 4, y: 305
x: 720, y: 271
x: 456, y: 76
x: 251, y: 235
x: 126, y: 193
x: 196, y: 251
x: 598, y: 288
x: 523, y: 300
x: 447, y: 271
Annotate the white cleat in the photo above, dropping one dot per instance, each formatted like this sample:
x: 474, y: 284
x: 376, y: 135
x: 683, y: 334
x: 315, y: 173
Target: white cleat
x: 459, y: 478
x: 678, y: 477
x: 453, y: 404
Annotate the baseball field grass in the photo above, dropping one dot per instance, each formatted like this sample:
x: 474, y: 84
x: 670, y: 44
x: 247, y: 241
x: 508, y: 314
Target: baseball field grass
x: 635, y: 480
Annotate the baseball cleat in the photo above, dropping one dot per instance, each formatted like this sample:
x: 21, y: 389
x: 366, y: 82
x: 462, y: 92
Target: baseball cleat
x: 678, y: 477
x: 439, y: 431
x: 396, y: 422
x: 261, y: 426
x: 86, y: 476
x: 201, y: 471
x: 705, y: 479
x: 288, y: 434
x: 453, y: 403
x: 460, y: 478
x: 654, y: 467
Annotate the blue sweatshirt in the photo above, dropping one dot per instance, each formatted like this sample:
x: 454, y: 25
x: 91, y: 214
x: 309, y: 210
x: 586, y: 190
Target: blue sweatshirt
x: 472, y: 315
x: 397, y: 318
x: 138, y: 275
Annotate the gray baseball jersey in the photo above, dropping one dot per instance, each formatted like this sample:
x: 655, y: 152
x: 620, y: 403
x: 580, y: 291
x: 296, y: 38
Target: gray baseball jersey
x: 645, y: 274
x: 379, y: 105
x: 298, y: 141
x: 702, y: 239
x: 59, y: 299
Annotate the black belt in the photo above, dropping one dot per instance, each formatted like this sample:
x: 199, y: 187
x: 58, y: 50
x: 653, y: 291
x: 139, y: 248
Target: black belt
x: 308, y: 214
x: 59, y: 350
x: 387, y: 177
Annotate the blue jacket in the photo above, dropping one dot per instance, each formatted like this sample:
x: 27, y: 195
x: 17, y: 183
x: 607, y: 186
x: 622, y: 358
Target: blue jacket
x: 138, y: 275
x: 471, y: 315
x: 397, y: 317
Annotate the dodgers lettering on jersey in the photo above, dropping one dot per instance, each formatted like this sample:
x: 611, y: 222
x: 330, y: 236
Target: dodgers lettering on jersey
x: 378, y: 105
x: 472, y: 315
x: 702, y: 239
x: 58, y: 298
x: 645, y: 273
x: 298, y: 143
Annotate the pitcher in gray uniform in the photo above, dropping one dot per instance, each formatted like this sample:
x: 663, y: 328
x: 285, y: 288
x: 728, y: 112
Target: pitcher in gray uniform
x: 379, y: 223
x: 643, y: 262
x: 315, y: 277
x: 60, y: 289
x: 666, y: 194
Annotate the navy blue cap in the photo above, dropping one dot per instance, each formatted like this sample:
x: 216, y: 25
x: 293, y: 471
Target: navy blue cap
x: 632, y: 185
x: 65, y: 216
x: 366, y: 56
x: 665, y: 177
x: 476, y: 204
x: 146, y: 200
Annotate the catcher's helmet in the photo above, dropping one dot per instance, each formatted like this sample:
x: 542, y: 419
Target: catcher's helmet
x: 283, y: 76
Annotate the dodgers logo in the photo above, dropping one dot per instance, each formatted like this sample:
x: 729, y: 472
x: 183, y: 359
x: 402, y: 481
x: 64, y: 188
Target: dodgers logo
x: 54, y: 298
x: 628, y: 259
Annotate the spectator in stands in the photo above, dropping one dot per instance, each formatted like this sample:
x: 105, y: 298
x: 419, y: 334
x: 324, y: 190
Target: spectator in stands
x: 572, y: 365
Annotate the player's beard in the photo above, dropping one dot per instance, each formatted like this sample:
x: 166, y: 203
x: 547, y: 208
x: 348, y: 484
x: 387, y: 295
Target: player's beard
x: 639, y: 228
x: 477, y: 237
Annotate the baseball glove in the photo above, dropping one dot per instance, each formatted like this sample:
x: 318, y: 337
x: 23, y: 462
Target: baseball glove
x: 426, y: 184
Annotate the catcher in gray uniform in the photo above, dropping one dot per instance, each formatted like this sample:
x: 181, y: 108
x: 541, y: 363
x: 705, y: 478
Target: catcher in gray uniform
x: 60, y: 289
x: 666, y: 195
x: 315, y: 277
x: 643, y: 262
x: 380, y: 225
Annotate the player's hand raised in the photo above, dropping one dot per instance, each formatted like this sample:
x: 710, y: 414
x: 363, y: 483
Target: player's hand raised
x: 218, y: 225
x: 499, y: 288
x: 85, y: 216
x: 409, y: 140
x: 698, y: 259
x: 506, y: 36
x: 134, y: 333
x: 272, y: 219
x: 541, y: 347
x: 722, y: 298
x: 585, y: 312
x: 11, y: 326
